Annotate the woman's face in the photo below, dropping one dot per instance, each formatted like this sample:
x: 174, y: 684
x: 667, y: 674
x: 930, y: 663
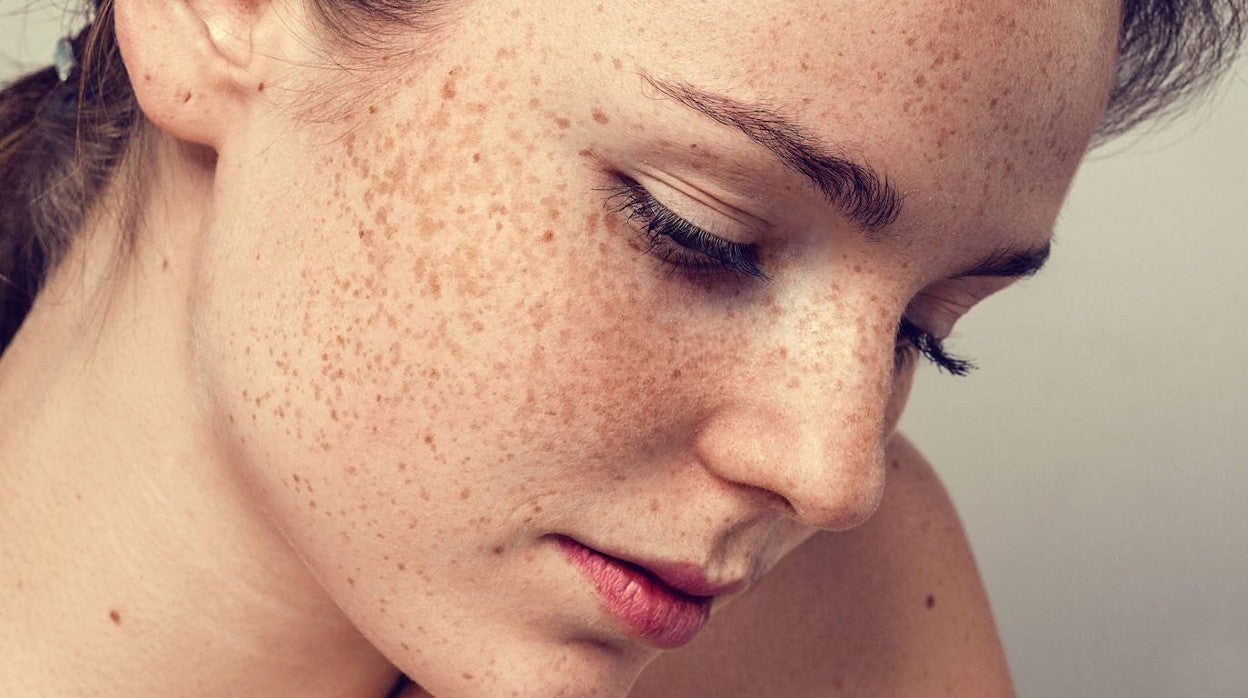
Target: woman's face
x: 459, y: 328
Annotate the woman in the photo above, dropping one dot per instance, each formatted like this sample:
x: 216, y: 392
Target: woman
x: 499, y: 344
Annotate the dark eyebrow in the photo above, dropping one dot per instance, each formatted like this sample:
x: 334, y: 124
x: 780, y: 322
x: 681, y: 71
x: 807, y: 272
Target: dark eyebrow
x: 864, y: 197
x: 1010, y: 262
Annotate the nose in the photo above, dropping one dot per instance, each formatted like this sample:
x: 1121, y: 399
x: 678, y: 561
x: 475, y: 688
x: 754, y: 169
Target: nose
x: 804, y: 420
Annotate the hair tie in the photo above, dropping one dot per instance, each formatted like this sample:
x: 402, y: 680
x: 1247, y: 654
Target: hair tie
x: 63, y: 58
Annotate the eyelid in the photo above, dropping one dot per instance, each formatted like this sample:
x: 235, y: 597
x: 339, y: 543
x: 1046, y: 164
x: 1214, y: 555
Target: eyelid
x: 678, y: 243
x: 688, y: 200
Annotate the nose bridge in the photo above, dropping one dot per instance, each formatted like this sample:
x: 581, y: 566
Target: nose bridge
x: 806, y: 420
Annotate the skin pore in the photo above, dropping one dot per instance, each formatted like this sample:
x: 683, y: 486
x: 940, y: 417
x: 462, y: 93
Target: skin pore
x: 386, y: 331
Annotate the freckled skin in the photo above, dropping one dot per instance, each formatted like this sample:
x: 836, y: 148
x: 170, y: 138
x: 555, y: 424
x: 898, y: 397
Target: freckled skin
x: 460, y: 348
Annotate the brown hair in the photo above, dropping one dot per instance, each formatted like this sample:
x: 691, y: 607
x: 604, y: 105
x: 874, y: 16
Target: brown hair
x: 60, y: 142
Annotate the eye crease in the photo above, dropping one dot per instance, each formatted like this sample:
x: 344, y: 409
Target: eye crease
x: 688, y: 249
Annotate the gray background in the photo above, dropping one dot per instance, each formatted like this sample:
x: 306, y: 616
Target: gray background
x: 1098, y: 456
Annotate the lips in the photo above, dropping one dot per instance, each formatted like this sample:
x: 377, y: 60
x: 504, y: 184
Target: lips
x: 653, y: 610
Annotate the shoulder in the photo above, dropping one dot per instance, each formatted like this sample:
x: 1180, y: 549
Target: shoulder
x: 893, y: 608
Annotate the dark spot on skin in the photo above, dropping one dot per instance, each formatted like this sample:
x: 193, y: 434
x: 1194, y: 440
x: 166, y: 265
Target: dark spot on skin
x: 562, y: 122
x: 599, y: 116
x: 467, y: 676
x: 402, y: 566
x: 164, y: 263
x: 617, y: 63
x: 548, y: 236
x: 498, y: 550
x: 186, y: 97
x: 448, y: 88
x: 920, y: 80
x: 931, y: 601
x: 465, y: 493
x: 147, y: 77
x: 260, y: 87
x: 897, y: 465
x: 114, y: 616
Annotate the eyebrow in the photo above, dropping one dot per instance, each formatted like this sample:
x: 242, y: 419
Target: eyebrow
x: 1009, y: 262
x: 859, y: 192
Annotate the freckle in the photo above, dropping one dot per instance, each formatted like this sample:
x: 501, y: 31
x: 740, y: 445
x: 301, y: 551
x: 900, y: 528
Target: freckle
x: 164, y: 263
x: 599, y: 116
x: 467, y: 676
x: 476, y: 157
x: 548, y: 236
x: 147, y: 77
x: 115, y: 616
x: 424, y: 494
x: 448, y: 89
x: 402, y: 566
x: 617, y: 63
x: 920, y: 80
x: 654, y: 505
x: 562, y: 122
x: 931, y: 601
x: 465, y: 493
x: 350, y: 581
x: 896, y: 465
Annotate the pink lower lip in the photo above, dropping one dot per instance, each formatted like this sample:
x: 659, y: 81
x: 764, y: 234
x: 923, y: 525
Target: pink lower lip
x: 655, y: 612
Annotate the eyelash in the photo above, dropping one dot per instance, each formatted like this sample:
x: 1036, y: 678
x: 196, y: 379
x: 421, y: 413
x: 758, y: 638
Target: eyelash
x: 913, y: 340
x: 684, y: 247
x: 679, y: 244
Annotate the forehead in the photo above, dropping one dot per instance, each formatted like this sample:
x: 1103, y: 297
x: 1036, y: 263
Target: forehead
x: 976, y: 106
x: 988, y: 104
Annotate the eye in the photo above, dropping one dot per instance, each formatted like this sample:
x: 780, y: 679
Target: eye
x: 913, y: 340
x: 677, y: 243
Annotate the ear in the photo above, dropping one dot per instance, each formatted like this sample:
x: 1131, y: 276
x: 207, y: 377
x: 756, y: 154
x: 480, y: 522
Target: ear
x: 194, y: 64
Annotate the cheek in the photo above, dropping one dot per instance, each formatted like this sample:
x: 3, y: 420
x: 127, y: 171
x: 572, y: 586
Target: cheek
x: 444, y: 329
x: 899, y: 396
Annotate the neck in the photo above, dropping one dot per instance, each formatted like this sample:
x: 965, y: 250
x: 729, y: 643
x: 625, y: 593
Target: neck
x: 132, y: 561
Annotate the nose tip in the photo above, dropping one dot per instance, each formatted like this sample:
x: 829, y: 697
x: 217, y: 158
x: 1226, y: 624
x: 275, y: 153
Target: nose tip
x: 828, y: 481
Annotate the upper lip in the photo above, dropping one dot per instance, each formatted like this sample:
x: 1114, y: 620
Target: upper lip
x: 686, y: 577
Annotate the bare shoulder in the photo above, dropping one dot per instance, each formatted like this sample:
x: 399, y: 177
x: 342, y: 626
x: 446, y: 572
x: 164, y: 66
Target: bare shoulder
x: 893, y: 608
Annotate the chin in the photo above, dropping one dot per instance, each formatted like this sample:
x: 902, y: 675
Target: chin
x: 576, y: 668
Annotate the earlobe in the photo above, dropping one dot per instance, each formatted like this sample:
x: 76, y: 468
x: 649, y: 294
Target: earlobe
x: 190, y: 62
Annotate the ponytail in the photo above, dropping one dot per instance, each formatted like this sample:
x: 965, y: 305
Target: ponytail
x: 60, y: 140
